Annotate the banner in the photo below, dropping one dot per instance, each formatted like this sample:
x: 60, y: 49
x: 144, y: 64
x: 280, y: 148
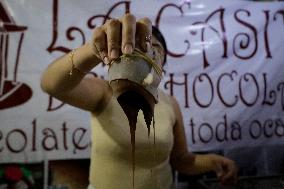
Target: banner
x: 224, y: 66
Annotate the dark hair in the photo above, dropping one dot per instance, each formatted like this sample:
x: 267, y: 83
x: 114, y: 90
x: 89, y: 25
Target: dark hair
x: 159, y: 36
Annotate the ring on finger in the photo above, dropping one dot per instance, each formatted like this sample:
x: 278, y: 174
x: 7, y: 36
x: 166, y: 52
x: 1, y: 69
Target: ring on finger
x: 148, y: 38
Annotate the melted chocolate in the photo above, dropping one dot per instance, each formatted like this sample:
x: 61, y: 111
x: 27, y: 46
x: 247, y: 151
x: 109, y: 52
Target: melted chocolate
x: 131, y: 102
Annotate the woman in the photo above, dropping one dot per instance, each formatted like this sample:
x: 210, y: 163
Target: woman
x: 111, y: 164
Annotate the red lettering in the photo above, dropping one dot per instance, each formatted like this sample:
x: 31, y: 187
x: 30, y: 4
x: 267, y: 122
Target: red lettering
x: 49, y: 141
x: 20, y: 145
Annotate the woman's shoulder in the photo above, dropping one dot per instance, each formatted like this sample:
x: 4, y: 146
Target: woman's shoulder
x: 165, y: 97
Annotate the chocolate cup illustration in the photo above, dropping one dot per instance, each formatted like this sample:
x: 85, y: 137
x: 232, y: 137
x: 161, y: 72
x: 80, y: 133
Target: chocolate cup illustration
x: 12, y: 92
x: 128, y: 74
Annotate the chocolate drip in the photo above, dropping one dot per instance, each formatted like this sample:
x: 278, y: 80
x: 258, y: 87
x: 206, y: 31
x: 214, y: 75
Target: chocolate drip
x: 148, y: 116
x: 131, y: 102
x: 154, y: 132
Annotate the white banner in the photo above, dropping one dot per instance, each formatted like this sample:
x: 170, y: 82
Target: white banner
x: 225, y: 62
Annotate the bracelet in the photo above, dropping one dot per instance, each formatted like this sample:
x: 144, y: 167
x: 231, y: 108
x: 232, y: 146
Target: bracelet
x: 71, y: 55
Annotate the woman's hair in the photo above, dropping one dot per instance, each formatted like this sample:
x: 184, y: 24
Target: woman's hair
x: 159, y: 36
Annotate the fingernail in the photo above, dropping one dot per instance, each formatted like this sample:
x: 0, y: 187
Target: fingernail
x: 148, y: 46
x: 114, y: 54
x: 106, y: 60
x: 127, y: 49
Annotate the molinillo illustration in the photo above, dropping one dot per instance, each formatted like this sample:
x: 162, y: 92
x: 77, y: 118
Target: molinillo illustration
x: 12, y: 92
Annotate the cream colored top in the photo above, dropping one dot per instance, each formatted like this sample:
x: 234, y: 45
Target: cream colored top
x: 111, y: 166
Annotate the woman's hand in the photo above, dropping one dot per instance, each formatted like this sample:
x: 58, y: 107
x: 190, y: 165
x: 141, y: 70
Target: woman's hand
x: 121, y: 36
x: 225, y: 169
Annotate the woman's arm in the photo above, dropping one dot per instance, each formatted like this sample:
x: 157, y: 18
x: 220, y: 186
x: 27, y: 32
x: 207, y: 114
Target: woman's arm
x: 109, y: 41
x: 70, y: 84
x: 188, y: 163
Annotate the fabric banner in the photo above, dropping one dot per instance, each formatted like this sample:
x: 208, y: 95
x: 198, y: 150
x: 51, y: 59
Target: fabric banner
x: 224, y: 67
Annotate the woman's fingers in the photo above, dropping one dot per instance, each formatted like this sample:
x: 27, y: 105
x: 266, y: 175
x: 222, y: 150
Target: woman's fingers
x: 100, y: 44
x: 121, y: 36
x: 128, y: 33
x: 113, y: 32
x: 144, y: 33
x: 231, y: 174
